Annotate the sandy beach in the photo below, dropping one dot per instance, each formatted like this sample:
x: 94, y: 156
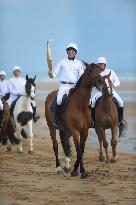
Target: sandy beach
x: 31, y: 179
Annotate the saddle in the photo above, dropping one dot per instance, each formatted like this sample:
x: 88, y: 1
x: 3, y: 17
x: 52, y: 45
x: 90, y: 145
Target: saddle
x: 64, y: 104
x: 113, y: 98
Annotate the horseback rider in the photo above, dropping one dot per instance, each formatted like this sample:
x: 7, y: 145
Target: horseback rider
x: 3, y: 92
x: 16, y: 89
x: 70, y: 70
x: 101, y: 62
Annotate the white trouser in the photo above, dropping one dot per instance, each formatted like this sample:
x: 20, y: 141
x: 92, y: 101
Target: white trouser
x: 11, y: 99
x: 1, y: 105
x: 63, y: 89
x: 99, y: 94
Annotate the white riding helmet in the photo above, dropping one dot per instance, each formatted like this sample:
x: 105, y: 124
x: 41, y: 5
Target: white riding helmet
x: 16, y: 68
x: 72, y: 45
x: 2, y: 72
x: 102, y: 60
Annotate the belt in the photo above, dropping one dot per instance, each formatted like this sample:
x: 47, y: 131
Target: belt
x: 64, y: 82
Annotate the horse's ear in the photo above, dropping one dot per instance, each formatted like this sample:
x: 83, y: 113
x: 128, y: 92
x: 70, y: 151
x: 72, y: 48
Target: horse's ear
x: 86, y: 64
x: 109, y: 74
x: 26, y: 77
x: 34, y: 78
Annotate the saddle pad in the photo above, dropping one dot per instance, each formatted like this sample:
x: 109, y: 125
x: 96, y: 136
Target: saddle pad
x: 64, y: 104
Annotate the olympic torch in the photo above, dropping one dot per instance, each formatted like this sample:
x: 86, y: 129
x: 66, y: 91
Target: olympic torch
x: 49, y: 56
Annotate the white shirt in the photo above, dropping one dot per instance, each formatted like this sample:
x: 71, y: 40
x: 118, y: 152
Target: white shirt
x: 17, y: 86
x: 70, y: 70
x: 4, y: 87
x: 113, y: 76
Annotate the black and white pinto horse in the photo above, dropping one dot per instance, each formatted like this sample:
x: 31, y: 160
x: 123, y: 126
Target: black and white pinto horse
x: 23, y: 114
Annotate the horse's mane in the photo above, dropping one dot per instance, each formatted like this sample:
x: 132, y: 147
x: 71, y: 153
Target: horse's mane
x: 72, y: 90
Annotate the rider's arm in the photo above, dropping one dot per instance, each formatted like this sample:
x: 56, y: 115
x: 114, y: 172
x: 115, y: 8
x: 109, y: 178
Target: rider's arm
x: 81, y: 70
x: 11, y: 89
x: 115, y: 80
x: 56, y: 71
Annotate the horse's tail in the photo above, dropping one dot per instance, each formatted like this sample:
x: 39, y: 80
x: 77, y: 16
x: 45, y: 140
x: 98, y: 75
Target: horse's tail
x: 123, y: 129
x: 10, y: 133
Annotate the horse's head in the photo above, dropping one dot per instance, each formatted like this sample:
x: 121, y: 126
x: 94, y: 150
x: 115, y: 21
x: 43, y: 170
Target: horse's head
x: 107, y: 86
x: 30, y: 86
x: 92, y: 75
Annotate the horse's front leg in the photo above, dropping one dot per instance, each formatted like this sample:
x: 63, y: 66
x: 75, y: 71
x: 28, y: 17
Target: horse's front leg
x: 101, y: 135
x: 76, y: 139
x: 114, y: 131
x: 19, y: 136
x: 101, y: 156
x: 67, y: 150
x: 30, y: 135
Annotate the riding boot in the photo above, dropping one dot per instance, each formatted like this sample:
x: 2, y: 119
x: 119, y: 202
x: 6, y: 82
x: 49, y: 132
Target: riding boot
x: 93, y: 118
x: 1, y: 117
x: 35, y: 116
x: 57, y: 116
x: 120, y: 116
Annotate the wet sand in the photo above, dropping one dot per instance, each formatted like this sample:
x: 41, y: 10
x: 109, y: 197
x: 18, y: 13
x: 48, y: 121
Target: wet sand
x: 31, y: 179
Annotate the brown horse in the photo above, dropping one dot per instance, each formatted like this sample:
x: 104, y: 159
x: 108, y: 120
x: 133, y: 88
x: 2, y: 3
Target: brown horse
x: 75, y: 120
x: 106, y: 116
x: 6, y: 128
x: 4, y: 120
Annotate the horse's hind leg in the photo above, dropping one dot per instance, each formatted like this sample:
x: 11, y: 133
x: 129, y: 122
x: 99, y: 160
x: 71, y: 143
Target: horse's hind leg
x: 67, y: 150
x: 114, y: 143
x: 55, y: 148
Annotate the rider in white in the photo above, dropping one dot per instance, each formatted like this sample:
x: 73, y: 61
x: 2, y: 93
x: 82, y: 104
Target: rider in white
x: 101, y: 61
x: 70, y: 71
x: 3, y: 93
x: 17, y: 88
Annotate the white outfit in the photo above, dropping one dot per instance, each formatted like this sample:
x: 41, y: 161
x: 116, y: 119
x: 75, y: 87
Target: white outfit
x: 70, y: 71
x: 4, y: 87
x: 115, y: 82
x: 3, y: 91
x: 16, y: 88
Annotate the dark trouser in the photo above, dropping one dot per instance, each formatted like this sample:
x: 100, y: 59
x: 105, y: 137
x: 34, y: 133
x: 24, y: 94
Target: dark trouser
x: 120, y: 113
x: 93, y: 118
x: 1, y: 117
x: 57, y: 116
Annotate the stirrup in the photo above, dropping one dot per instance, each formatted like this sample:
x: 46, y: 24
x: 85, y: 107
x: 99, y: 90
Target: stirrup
x: 36, y: 118
x: 1, y: 125
x: 55, y: 125
x: 92, y: 125
x: 122, y: 123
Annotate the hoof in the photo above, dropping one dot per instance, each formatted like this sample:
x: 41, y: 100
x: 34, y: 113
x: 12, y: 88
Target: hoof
x: 107, y: 161
x: 30, y: 152
x: 113, y: 160
x: 66, y: 170
x: 84, y: 175
x: 9, y: 149
x: 101, y: 158
x: 74, y: 173
x: 59, y: 172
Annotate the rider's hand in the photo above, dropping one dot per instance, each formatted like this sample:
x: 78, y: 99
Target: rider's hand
x: 50, y: 74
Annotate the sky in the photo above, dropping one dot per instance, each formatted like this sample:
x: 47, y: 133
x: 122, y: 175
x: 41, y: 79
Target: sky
x: 99, y: 28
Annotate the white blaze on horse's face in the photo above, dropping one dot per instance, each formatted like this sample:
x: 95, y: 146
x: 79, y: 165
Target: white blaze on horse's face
x: 32, y: 92
x: 108, y: 86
